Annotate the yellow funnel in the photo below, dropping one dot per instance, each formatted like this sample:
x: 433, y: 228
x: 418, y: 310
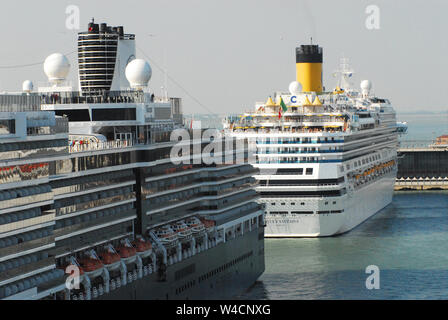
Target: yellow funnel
x: 309, y: 67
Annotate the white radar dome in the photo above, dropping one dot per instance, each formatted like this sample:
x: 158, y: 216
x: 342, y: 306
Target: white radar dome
x: 366, y: 85
x: 138, y: 72
x: 27, y: 86
x: 295, y: 87
x: 56, y: 67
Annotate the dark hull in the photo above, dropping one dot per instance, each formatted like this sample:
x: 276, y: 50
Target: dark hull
x: 222, y: 272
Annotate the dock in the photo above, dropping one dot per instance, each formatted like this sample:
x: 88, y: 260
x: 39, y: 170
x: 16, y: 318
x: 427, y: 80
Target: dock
x: 422, y: 166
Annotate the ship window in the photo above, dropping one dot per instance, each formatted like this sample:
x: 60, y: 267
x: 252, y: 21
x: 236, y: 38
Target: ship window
x: 302, y: 203
x: 301, y: 212
x: 75, y: 115
x: 309, y: 171
x: 273, y: 204
x: 113, y: 114
x: 7, y: 126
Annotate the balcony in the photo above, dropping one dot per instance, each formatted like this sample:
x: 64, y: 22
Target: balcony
x: 26, y: 246
x: 97, y: 223
x: 26, y: 270
x: 26, y: 223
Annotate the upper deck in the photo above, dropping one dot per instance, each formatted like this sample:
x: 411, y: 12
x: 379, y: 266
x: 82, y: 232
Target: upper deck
x: 324, y: 114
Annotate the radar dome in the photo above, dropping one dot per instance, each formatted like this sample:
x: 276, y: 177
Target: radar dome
x: 56, y: 67
x: 27, y: 86
x: 138, y: 72
x: 366, y: 85
x: 295, y: 87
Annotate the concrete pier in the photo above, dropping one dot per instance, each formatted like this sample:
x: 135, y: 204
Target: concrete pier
x: 422, y: 168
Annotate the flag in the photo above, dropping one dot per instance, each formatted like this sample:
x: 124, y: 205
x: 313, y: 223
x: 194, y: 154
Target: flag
x: 283, y: 108
x: 283, y: 105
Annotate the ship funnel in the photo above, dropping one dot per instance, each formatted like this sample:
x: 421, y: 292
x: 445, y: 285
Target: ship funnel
x: 309, y: 67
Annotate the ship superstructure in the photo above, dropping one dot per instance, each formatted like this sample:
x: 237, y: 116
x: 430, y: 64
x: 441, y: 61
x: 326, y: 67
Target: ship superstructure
x: 327, y: 159
x: 92, y: 205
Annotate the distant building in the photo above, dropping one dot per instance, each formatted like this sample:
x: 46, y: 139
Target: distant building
x: 442, y: 139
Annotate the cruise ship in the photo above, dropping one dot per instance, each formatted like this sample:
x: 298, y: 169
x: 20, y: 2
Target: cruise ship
x: 92, y: 205
x: 327, y: 159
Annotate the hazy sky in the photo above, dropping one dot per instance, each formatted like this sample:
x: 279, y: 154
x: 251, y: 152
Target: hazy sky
x: 229, y: 54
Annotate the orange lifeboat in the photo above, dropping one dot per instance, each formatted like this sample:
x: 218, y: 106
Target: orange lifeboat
x: 208, y: 223
x: 109, y: 257
x: 90, y: 264
x: 126, y: 250
x: 142, y: 245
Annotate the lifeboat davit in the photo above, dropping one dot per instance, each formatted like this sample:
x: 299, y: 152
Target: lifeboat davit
x: 127, y: 251
x: 195, y: 225
x: 143, y: 247
x: 110, y: 257
x: 166, y: 236
x: 182, y: 230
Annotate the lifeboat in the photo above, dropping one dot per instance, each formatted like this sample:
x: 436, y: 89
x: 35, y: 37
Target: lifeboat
x: 127, y: 251
x: 71, y: 264
x: 110, y: 258
x: 195, y: 225
x: 166, y: 236
x: 91, y: 264
x: 209, y: 224
x: 183, y: 231
x: 143, y: 248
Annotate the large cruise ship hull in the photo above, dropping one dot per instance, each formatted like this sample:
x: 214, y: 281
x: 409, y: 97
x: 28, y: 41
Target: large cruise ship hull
x: 359, y: 206
x: 221, y: 272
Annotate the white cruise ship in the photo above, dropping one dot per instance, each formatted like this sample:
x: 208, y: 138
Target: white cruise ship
x: 327, y: 160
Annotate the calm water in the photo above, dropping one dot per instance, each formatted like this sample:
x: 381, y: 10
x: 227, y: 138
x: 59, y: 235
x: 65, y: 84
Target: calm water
x: 408, y: 241
x: 424, y: 126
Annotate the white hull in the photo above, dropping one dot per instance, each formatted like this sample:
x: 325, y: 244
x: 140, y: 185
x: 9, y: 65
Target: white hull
x: 358, y: 207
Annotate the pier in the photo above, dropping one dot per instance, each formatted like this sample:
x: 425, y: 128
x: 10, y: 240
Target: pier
x: 422, y: 165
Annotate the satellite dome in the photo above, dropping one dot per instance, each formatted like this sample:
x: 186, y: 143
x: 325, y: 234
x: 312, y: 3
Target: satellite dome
x: 56, y: 67
x: 295, y: 87
x: 27, y: 86
x: 366, y: 85
x: 138, y: 72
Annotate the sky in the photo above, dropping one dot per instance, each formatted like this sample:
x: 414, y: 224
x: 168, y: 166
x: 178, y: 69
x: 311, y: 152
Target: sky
x: 222, y: 56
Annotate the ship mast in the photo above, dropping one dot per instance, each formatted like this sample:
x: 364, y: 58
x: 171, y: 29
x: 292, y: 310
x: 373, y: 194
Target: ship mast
x: 344, y: 74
